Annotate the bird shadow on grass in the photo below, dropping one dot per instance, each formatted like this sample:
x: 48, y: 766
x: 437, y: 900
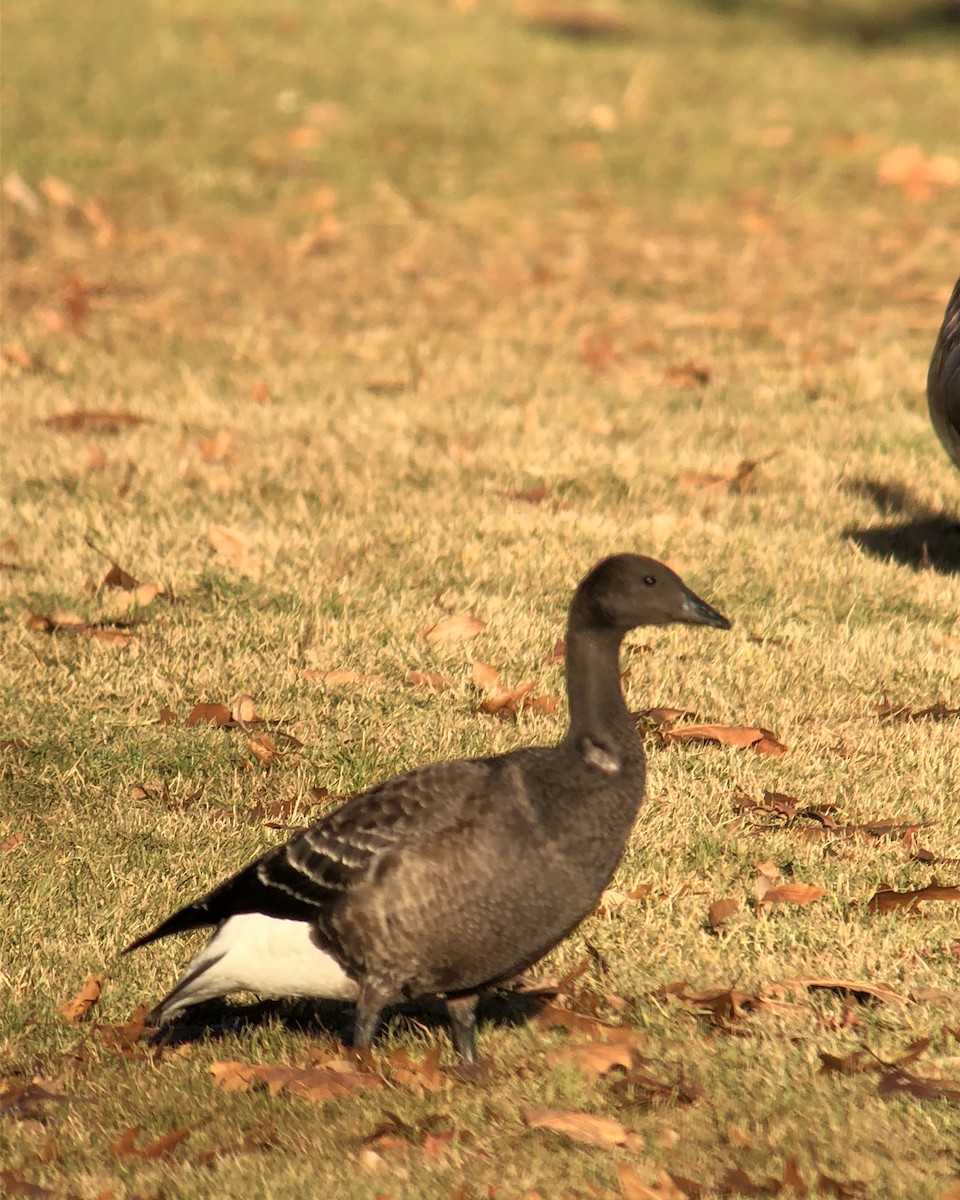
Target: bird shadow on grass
x: 921, y: 538
x: 217, y: 1019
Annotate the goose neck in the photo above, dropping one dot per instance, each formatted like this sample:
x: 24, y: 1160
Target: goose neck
x: 597, y: 707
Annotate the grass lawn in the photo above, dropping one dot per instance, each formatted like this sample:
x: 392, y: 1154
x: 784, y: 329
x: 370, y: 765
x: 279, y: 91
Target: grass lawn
x: 356, y: 316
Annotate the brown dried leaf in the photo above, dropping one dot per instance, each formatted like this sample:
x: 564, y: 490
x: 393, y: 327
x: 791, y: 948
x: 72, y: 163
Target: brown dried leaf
x: 309, y: 1083
x: 263, y: 749
x: 578, y: 1126
x: 421, y: 1076
x: 11, y: 843
x: 887, y: 900
x: 125, y: 1145
x: 688, y: 375
x: 921, y: 1087
x: 76, y: 1009
x: 124, y: 1037
x: 534, y: 496
x: 741, y: 737
x: 209, y: 714
x: 915, y: 174
x: 456, y: 628
x: 738, y: 482
x: 594, y: 1059
x: 579, y: 23
x: 117, y: 577
x: 81, y: 419
x: 720, y: 910
x: 234, y: 547
x: 661, y: 718
x: 339, y: 678
x: 859, y: 989
x: 432, y: 680
x: 217, y: 449
x: 553, y: 1016
x: 939, y: 711
x: 722, y: 1005
x: 792, y: 893
x: 232, y: 1076
x: 667, y: 1187
x: 640, y: 1089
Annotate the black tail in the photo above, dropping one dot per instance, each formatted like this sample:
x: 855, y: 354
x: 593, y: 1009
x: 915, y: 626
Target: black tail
x: 194, y: 916
x: 242, y: 893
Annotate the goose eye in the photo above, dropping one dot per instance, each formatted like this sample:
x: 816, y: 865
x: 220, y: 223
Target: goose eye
x: 649, y: 580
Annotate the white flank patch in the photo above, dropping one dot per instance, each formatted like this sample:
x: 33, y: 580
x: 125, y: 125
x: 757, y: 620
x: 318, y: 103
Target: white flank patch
x: 255, y: 953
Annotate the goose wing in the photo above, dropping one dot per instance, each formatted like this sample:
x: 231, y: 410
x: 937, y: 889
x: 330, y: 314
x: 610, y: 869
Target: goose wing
x: 943, y: 379
x: 305, y: 876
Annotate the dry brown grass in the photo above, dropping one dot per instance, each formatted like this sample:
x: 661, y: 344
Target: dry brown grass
x: 499, y: 266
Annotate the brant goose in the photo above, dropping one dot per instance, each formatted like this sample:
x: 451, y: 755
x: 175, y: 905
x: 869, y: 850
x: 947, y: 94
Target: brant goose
x: 458, y: 875
x: 943, y: 379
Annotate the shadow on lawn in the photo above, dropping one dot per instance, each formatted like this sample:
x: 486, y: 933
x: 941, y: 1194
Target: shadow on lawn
x: 885, y: 25
x: 217, y: 1019
x: 926, y: 539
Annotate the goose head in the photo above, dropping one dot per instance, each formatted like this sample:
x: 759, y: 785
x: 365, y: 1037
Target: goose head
x: 627, y: 590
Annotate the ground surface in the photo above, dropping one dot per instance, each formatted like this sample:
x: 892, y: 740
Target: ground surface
x: 420, y: 309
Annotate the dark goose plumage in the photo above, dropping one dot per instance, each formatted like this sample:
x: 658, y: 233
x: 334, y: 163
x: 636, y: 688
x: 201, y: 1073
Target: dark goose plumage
x: 458, y: 875
x: 943, y: 379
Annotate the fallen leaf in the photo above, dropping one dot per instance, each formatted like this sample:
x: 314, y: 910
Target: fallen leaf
x: 454, y: 629
x: 921, y: 1087
x: 916, y: 174
x: 660, y: 718
x: 60, y: 194
x: 887, y: 900
x: 217, y: 449
x: 209, y: 714
x: 431, y: 680
x: 125, y: 1144
x: 81, y: 419
x: 578, y: 1126
x: 23, y: 1101
x: 939, y: 711
x: 534, y: 496
x: 340, y: 678
x: 507, y: 702
x: 578, y: 23
x: 11, y: 843
x: 722, y: 1005
x: 859, y: 989
x: 741, y: 737
x: 667, y: 1187
x: 124, y: 1037
x: 262, y: 747
x: 117, y: 577
x: 76, y: 1009
x: 792, y: 893
x: 19, y: 192
x: 594, y: 1059
x: 738, y: 482
x: 420, y: 1076
x: 553, y: 1016
x: 309, y: 1083
x: 720, y: 910
x: 688, y: 375
x: 75, y: 299
x: 639, y: 1088
x: 234, y: 547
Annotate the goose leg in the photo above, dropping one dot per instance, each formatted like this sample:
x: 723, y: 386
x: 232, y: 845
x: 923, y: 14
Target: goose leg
x: 462, y: 1011
x: 369, y: 1007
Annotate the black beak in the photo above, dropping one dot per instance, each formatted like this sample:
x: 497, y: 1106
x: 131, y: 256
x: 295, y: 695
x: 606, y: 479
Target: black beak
x: 698, y: 612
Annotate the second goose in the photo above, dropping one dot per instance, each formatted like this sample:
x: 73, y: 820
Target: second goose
x: 458, y: 875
